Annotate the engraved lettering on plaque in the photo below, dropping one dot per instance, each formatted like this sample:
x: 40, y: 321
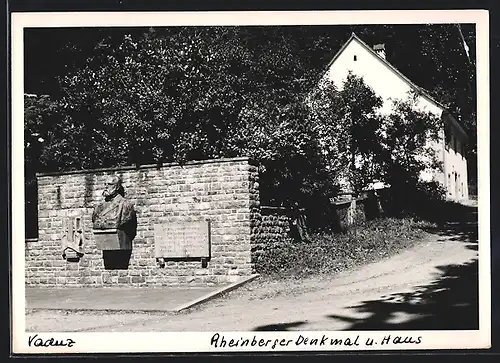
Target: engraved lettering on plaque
x: 182, y: 239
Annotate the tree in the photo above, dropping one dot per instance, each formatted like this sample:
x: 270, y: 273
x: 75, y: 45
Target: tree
x: 153, y: 98
x: 192, y: 93
x: 349, y: 129
x: 406, y: 147
x: 364, y: 127
x: 175, y: 95
x: 364, y: 145
x: 39, y: 111
x: 285, y: 142
x: 406, y: 151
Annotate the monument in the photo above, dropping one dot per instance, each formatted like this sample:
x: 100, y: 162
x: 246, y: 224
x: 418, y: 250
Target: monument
x: 114, y: 220
x: 159, y: 225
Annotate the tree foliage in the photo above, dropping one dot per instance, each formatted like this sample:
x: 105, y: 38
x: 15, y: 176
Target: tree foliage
x: 407, y: 144
x: 39, y: 112
x: 362, y: 144
x: 348, y: 128
x: 184, y: 94
x: 364, y: 129
x: 176, y: 94
x: 446, y: 67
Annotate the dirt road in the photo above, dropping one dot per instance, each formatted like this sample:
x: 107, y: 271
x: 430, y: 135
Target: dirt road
x: 431, y: 286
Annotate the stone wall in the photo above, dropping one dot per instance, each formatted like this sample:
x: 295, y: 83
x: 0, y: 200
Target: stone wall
x: 224, y: 191
x: 270, y: 225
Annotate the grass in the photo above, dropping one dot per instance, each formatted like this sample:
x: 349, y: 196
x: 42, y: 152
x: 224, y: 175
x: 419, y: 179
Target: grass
x: 329, y: 253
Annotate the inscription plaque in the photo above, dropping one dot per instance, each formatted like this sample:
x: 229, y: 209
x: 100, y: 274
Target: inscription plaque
x: 182, y: 239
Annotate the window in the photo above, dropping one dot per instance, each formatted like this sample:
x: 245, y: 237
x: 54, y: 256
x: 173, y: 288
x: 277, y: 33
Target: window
x: 31, y: 208
x: 355, y: 58
x: 448, y: 136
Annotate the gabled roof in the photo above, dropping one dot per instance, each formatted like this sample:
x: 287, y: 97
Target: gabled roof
x: 419, y: 90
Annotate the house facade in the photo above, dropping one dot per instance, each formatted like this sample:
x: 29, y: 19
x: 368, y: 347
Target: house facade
x: 387, y: 82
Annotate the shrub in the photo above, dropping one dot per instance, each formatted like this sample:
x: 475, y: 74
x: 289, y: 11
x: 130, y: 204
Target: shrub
x: 432, y: 191
x: 421, y: 200
x: 329, y: 253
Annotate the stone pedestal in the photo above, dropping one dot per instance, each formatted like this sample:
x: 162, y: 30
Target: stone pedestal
x: 112, y: 239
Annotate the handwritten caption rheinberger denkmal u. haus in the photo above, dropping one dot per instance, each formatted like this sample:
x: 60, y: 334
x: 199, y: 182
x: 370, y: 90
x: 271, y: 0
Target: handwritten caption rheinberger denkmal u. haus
x: 221, y: 341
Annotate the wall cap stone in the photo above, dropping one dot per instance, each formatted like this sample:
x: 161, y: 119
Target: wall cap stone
x: 147, y: 166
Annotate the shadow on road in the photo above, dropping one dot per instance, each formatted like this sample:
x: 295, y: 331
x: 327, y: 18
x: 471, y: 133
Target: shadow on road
x: 458, y: 223
x: 448, y: 303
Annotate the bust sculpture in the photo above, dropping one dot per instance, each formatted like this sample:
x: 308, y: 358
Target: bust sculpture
x: 114, y: 220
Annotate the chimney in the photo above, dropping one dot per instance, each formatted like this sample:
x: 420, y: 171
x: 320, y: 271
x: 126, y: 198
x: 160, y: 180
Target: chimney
x: 380, y: 50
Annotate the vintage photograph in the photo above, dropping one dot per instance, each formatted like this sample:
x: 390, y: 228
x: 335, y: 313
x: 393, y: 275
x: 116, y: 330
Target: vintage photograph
x: 216, y: 178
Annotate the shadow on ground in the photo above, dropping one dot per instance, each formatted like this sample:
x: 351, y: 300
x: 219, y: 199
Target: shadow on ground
x: 448, y: 303
x: 458, y: 223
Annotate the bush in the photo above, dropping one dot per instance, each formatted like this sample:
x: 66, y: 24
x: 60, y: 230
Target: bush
x: 417, y: 200
x: 433, y: 191
x: 329, y: 253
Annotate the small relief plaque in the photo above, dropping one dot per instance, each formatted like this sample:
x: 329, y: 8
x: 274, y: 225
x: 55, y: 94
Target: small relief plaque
x: 182, y: 239
x: 72, y: 241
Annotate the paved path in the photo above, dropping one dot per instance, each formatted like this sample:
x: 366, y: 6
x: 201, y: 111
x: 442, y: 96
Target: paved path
x: 113, y: 298
x: 434, y: 285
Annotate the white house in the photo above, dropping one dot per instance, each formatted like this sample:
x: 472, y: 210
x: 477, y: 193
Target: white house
x: 364, y: 61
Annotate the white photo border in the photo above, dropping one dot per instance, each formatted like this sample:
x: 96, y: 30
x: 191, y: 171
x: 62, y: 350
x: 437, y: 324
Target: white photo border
x: 170, y: 342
